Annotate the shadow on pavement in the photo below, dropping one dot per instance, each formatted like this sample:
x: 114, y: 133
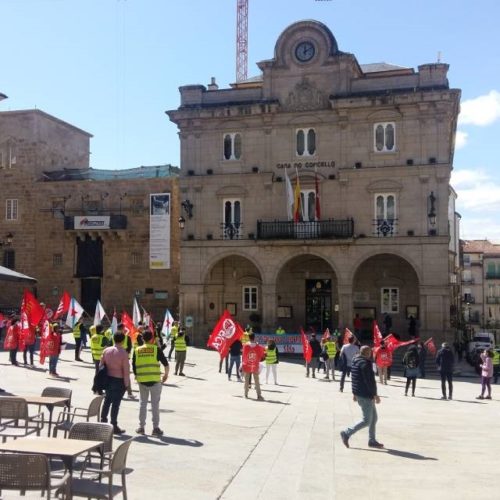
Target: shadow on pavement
x: 195, y: 378
x: 292, y: 386
x: 179, y: 442
x: 408, y: 454
x: 456, y: 400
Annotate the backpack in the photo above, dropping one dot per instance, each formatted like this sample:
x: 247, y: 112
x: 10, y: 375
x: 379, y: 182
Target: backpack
x: 411, y: 360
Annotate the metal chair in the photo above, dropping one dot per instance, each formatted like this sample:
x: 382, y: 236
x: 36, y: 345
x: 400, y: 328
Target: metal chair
x: 66, y: 418
x: 15, y: 420
x: 91, y: 488
x: 30, y: 472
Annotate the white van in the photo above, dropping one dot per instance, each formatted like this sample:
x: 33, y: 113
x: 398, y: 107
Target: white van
x: 481, y: 341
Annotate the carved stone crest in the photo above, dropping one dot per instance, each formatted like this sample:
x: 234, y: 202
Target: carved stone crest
x: 305, y: 97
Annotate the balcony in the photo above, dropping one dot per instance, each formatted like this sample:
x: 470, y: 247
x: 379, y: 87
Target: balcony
x: 289, y: 230
x: 383, y: 228
x: 231, y: 230
x: 493, y: 300
x: 493, y: 276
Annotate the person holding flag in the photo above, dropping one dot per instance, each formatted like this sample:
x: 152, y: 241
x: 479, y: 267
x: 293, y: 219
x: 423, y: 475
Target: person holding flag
x: 383, y: 359
x: 253, y: 354
x: 12, y: 339
x: 53, y: 343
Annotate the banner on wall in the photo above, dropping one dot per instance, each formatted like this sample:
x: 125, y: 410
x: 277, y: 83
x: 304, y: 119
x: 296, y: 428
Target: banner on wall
x: 159, y: 231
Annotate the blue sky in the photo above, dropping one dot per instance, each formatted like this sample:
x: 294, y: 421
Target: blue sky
x: 112, y: 67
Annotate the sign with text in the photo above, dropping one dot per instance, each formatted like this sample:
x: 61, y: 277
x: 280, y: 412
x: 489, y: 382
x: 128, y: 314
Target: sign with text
x: 288, y: 343
x: 159, y: 231
x: 92, y: 222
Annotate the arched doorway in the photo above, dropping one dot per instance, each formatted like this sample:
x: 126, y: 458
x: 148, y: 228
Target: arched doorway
x: 234, y: 283
x: 386, y: 285
x: 306, y: 292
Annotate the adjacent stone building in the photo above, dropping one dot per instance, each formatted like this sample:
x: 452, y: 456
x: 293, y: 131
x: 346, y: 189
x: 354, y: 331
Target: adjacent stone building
x: 369, y: 147
x: 98, y: 234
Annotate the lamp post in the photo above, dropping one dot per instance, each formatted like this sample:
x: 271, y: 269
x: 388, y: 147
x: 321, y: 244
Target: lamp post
x: 9, y: 238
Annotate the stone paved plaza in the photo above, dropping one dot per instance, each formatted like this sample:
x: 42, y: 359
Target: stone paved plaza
x: 219, y: 445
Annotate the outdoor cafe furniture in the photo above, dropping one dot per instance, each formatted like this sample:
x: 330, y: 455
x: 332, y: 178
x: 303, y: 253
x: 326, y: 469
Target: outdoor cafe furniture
x: 67, y: 417
x: 15, y: 420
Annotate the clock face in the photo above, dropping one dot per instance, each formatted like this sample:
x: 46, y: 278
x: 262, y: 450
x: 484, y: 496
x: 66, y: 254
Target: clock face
x: 305, y: 51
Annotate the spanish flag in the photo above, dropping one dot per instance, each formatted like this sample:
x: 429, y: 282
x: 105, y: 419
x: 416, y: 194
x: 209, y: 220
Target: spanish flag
x: 296, y: 201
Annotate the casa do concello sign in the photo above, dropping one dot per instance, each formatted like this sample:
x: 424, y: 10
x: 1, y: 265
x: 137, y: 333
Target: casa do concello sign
x: 307, y: 164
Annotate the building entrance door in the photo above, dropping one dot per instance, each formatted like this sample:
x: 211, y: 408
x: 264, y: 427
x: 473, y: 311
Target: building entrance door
x: 319, y: 304
x: 91, y: 293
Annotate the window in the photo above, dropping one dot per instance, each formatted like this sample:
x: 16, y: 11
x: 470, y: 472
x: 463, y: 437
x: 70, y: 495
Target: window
x: 135, y: 258
x: 390, y: 300
x: 57, y: 259
x: 232, y: 146
x: 384, y: 137
x: 306, y: 142
x: 7, y: 156
x: 9, y: 259
x: 11, y: 209
x: 231, y: 219
x: 385, y: 214
x: 466, y: 259
x: 308, y: 205
x: 250, y: 298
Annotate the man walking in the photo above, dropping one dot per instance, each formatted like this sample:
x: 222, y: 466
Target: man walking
x: 347, y: 354
x: 330, y: 348
x: 180, y: 353
x: 146, y: 365
x: 316, y: 353
x: 364, y: 390
x: 445, y: 362
x: 253, y: 354
x: 98, y: 342
x: 115, y: 359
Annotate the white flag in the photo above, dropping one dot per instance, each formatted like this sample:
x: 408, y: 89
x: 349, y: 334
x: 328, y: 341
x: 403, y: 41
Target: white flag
x: 167, y: 324
x: 136, y: 313
x: 289, y: 196
x: 114, y: 323
x: 75, y: 312
x: 99, y: 313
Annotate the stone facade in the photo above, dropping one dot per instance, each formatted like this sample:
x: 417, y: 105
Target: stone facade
x: 46, y: 171
x: 374, y: 143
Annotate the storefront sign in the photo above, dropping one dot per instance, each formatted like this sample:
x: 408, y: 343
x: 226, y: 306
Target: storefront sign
x: 159, y: 231
x: 92, y: 222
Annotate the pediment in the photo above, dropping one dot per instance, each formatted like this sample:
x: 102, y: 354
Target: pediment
x: 384, y: 185
x: 226, y: 191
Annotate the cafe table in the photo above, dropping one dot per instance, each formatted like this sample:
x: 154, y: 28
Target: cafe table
x: 66, y: 449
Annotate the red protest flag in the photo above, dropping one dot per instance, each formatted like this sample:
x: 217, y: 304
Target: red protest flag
x: 377, y: 335
x: 430, y: 346
x: 225, y: 332
x: 128, y: 323
x: 391, y: 342
x: 408, y: 342
x: 326, y: 334
x: 347, y: 335
x: 32, y: 307
x: 63, y: 306
x: 306, y: 347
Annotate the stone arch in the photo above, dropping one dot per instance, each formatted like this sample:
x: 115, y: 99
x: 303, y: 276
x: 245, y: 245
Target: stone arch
x: 212, y: 261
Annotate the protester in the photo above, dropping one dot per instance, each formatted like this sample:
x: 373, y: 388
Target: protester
x: 412, y: 327
x: 173, y: 335
x: 272, y: 360
x: 29, y: 341
x: 316, y: 352
x: 146, y: 366
x: 383, y: 359
x: 280, y: 330
x: 235, y: 359
x: 253, y: 354
x: 364, y: 389
x: 329, y: 353
x: 115, y: 358
x: 12, y: 338
x: 486, y: 373
x: 445, y: 362
x: 496, y: 365
x: 410, y: 362
x: 78, y: 329
x: 357, y: 323
x: 180, y: 353
x: 347, y: 354
x: 98, y: 341
x: 222, y: 361
x: 53, y: 345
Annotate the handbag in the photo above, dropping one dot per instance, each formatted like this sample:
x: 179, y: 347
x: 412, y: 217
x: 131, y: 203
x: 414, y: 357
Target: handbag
x: 411, y: 372
x: 101, y: 379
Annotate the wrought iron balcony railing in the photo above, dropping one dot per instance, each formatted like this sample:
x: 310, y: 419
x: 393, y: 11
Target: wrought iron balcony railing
x: 385, y: 227
x: 231, y: 230
x: 289, y: 230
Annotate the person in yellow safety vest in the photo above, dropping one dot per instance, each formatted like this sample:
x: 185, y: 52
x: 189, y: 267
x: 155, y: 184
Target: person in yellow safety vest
x: 98, y: 342
x: 173, y: 335
x: 77, y: 335
x: 330, y: 349
x: 244, y: 338
x: 108, y: 333
x: 146, y: 366
x: 180, y: 352
x: 280, y: 330
x: 496, y: 364
x: 271, y: 360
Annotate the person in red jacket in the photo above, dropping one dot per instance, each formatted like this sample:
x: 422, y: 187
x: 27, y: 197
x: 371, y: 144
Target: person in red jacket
x: 253, y: 354
x: 11, y: 342
x: 383, y: 360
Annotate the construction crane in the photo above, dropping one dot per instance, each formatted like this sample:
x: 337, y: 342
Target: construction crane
x: 242, y: 39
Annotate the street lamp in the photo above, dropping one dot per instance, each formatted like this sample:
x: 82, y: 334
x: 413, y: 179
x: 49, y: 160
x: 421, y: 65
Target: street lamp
x: 432, y: 209
x: 182, y: 222
x: 9, y: 237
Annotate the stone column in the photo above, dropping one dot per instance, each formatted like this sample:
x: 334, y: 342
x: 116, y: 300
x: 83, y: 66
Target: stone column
x: 345, y: 306
x: 268, y: 307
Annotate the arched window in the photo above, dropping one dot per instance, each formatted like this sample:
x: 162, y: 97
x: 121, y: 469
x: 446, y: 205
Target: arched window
x: 306, y: 142
x: 384, y: 137
x: 232, y: 146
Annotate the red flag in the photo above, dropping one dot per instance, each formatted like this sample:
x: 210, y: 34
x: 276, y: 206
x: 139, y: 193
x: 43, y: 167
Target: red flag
x: 377, y: 336
x: 393, y: 343
x: 431, y: 347
x: 297, y: 209
x: 63, y: 306
x: 347, y: 335
x: 46, y: 333
x: 225, y: 332
x: 316, y: 197
x: 306, y: 346
x: 32, y: 307
x: 128, y: 323
x: 326, y: 334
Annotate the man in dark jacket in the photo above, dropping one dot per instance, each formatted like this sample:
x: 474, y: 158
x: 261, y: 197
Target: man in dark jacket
x: 364, y: 390
x: 316, y: 352
x: 445, y: 362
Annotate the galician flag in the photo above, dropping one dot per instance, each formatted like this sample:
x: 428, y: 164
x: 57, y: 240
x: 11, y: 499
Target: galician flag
x: 75, y: 312
x: 114, y: 323
x: 136, y: 313
x: 289, y: 196
x: 166, y: 328
x: 99, y: 313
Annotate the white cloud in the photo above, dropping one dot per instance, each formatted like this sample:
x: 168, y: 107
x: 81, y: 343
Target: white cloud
x: 461, y: 139
x: 481, y: 111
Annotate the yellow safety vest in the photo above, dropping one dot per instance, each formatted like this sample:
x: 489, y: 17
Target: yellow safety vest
x: 96, y: 346
x: 76, y: 331
x: 109, y: 334
x: 244, y: 338
x: 280, y: 331
x: 496, y: 358
x: 331, y: 348
x: 174, y: 331
x: 271, y: 356
x: 147, y: 366
x: 180, y: 344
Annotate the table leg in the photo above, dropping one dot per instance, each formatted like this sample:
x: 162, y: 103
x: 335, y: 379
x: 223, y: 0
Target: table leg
x: 51, y: 410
